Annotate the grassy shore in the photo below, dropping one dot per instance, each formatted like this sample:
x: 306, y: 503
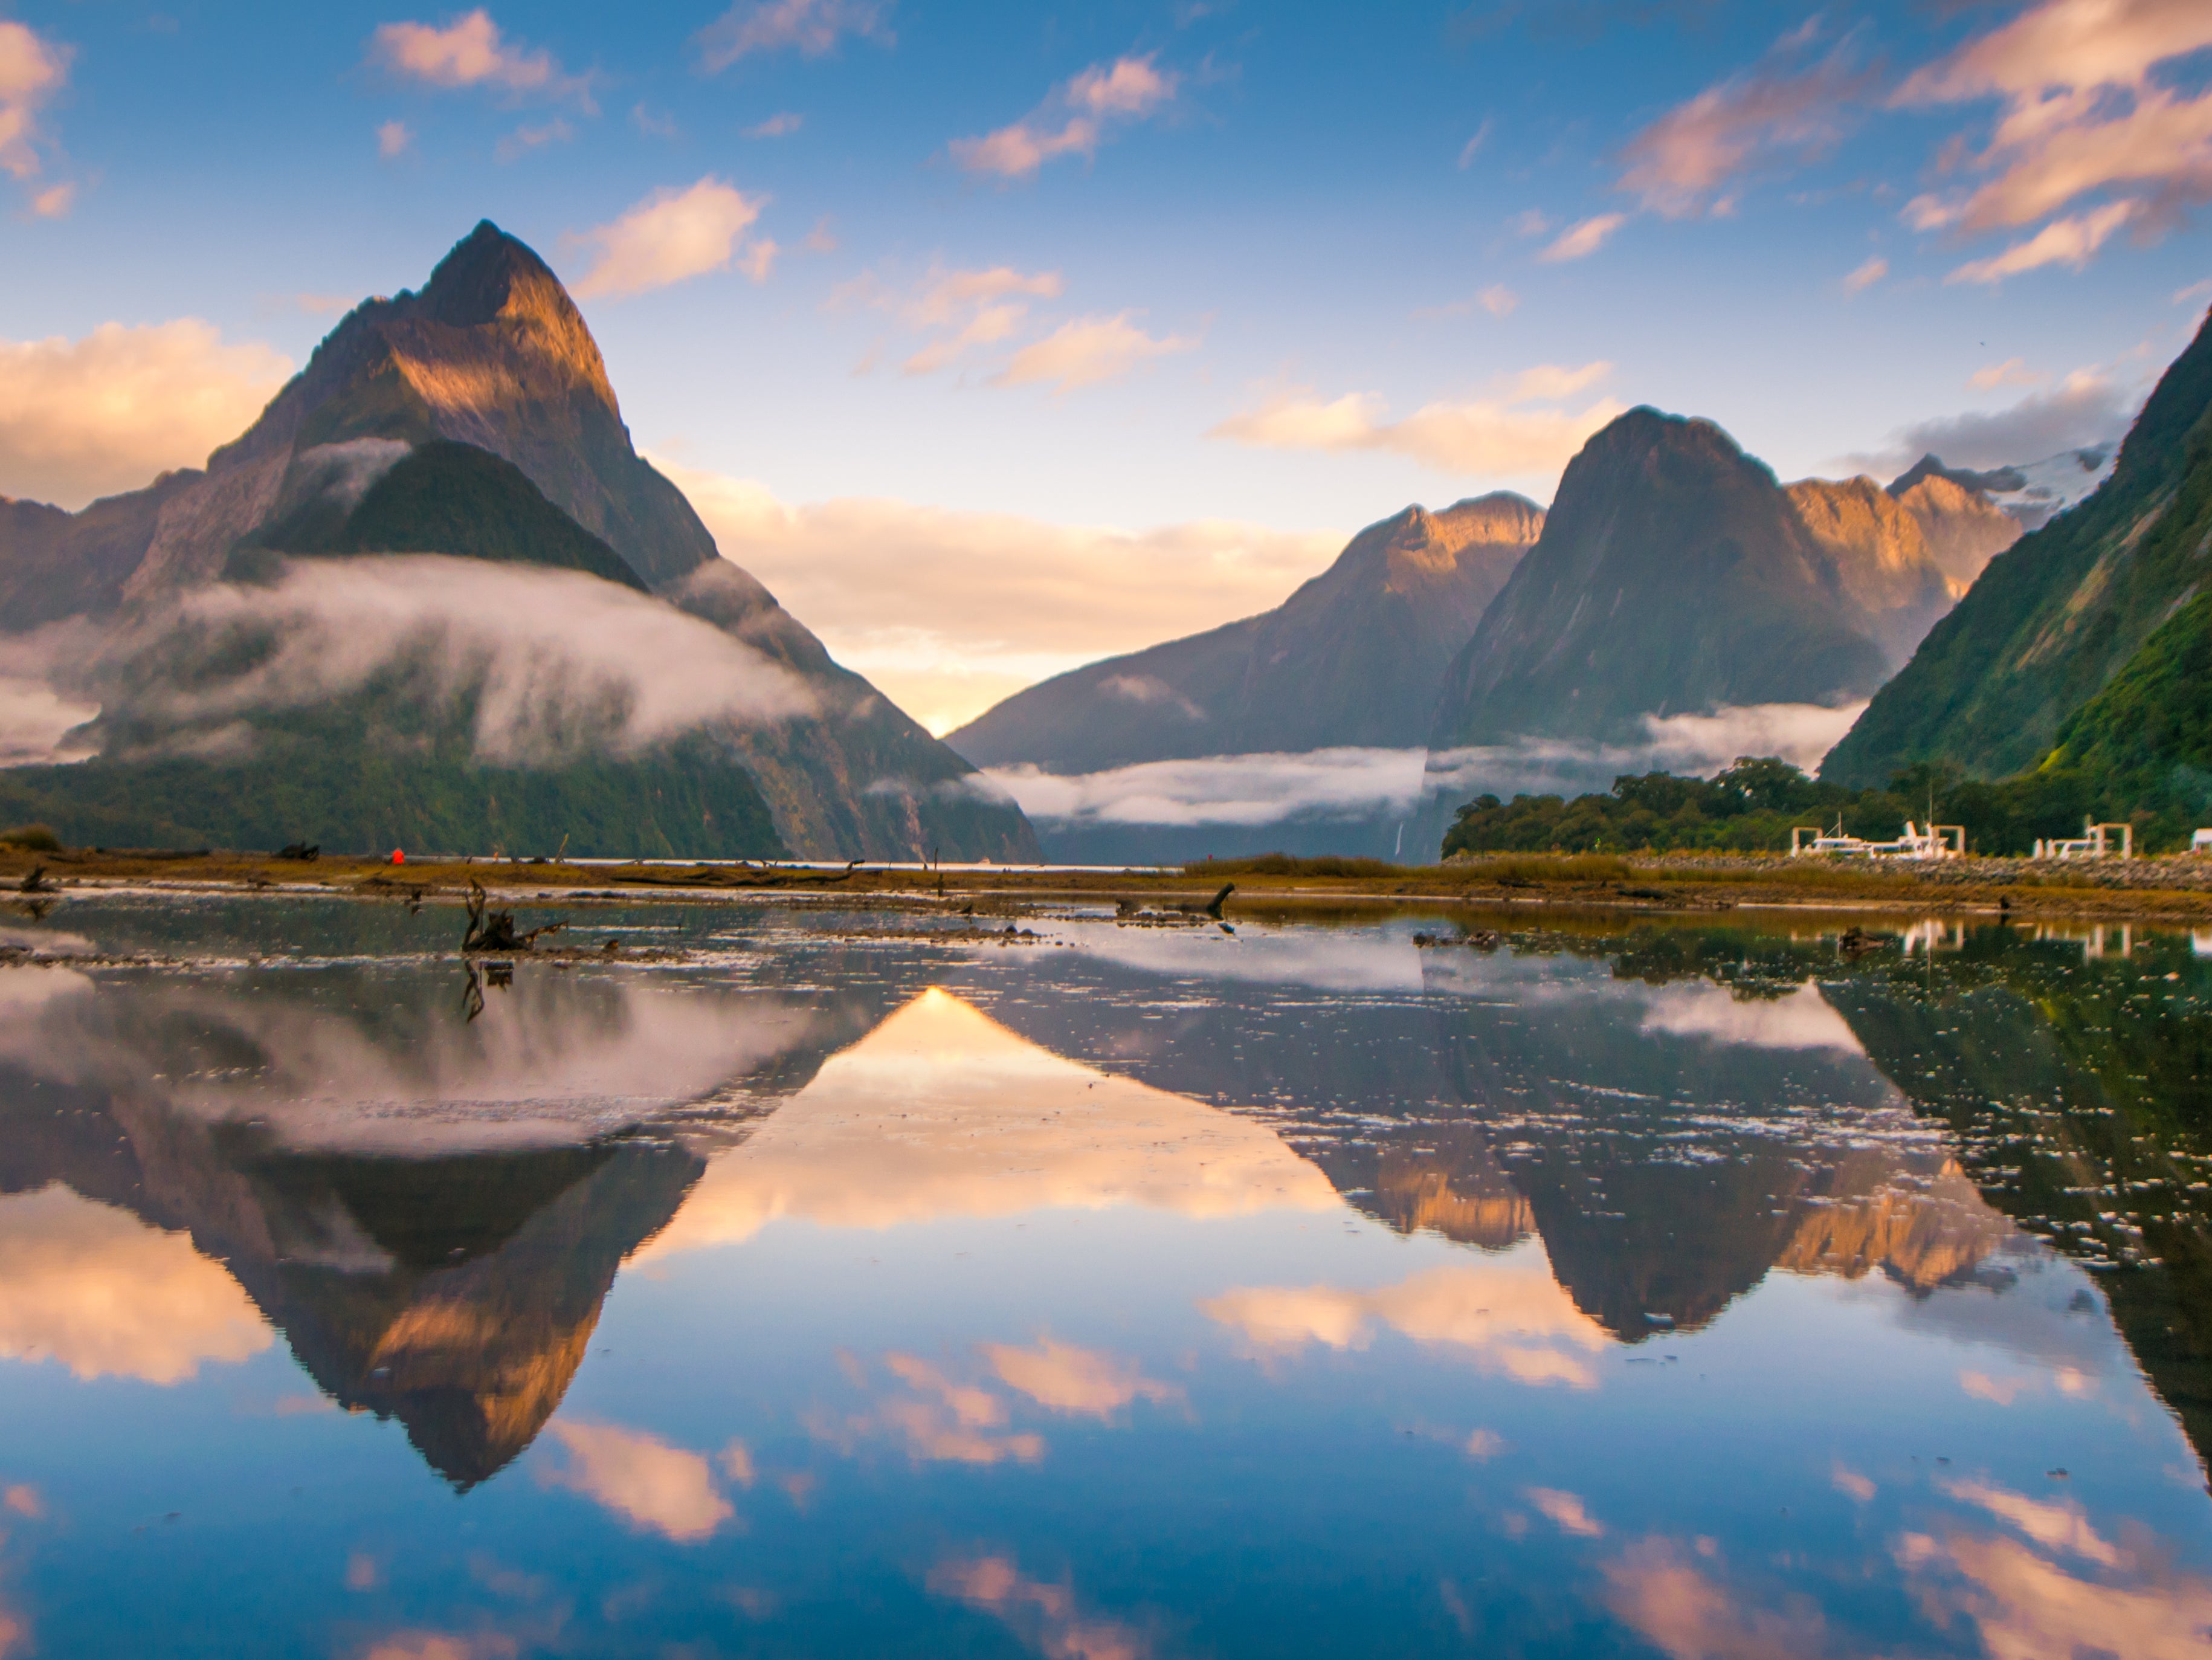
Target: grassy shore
x: 2177, y: 889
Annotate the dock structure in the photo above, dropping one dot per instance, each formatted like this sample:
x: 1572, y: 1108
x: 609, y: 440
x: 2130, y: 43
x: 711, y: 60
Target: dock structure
x: 2095, y: 842
x: 1933, y: 842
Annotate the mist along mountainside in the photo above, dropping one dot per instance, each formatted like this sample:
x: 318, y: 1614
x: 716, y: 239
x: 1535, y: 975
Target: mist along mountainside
x: 473, y: 419
x: 1674, y: 575
x: 1352, y: 658
x: 2072, y: 653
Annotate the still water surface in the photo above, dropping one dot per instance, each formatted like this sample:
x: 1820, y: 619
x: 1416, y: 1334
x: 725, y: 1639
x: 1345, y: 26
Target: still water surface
x: 786, y: 1284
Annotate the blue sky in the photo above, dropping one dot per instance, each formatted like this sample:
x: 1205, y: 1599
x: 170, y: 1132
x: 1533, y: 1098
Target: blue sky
x: 1255, y: 241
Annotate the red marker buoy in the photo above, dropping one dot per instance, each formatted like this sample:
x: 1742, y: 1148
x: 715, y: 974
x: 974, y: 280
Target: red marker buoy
x: 397, y: 857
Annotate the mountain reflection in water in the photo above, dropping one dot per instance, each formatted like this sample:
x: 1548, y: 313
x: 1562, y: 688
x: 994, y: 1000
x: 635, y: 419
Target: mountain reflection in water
x: 1261, y: 1161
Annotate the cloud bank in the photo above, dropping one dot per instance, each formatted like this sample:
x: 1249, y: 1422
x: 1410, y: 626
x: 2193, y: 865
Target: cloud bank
x: 92, y: 417
x: 1363, y: 783
x: 2085, y: 409
x: 559, y: 663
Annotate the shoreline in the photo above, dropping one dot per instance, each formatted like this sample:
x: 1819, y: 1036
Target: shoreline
x: 2173, y: 890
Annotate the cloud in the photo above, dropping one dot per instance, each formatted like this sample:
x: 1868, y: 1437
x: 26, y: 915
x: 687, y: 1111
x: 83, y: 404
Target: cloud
x: 470, y: 52
x: 1682, y: 164
x: 2013, y: 372
x: 556, y: 660
x: 948, y: 612
x: 2070, y: 241
x: 1530, y: 221
x: 2025, y: 1605
x: 443, y: 1645
x: 2082, y: 114
x: 811, y: 27
x: 1467, y: 151
x: 1564, y: 1511
x: 941, y: 1114
x: 92, y: 1287
x: 1044, y: 1617
x: 526, y: 138
x: 88, y: 417
x: 1506, y: 1314
x: 1086, y: 351
x: 1063, y: 1377
x: 1866, y: 276
x: 781, y: 124
x: 1583, y: 238
x: 1853, y: 1485
x: 2082, y: 409
x: 54, y: 203
x: 1655, y: 1589
x: 1493, y: 437
x: 1222, y: 790
x: 32, y: 70
x: 957, y: 310
x: 1799, y: 1019
x: 669, y: 237
x: 1074, y: 120
x: 652, y: 1485
x: 1360, y: 783
x: 394, y: 139
x: 943, y: 1420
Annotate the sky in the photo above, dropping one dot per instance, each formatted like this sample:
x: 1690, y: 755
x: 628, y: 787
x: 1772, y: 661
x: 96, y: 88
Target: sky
x: 998, y: 338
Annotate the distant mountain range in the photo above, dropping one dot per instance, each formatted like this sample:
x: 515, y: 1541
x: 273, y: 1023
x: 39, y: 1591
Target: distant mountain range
x: 2087, y: 648
x: 1352, y: 658
x: 474, y: 419
x: 1675, y: 576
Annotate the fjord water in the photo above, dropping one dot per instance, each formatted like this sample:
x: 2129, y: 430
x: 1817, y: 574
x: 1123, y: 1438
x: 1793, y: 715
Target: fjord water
x: 785, y: 1283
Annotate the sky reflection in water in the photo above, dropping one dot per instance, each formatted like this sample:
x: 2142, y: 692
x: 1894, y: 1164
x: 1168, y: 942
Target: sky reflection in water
x: 1654, y: 1289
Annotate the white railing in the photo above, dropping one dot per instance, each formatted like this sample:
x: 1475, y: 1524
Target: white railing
x: 2095, y: 842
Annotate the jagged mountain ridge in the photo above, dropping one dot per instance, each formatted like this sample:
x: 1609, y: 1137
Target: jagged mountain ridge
x: 2057, y: 617
x: 492, y: 354
x: 1352, y: 658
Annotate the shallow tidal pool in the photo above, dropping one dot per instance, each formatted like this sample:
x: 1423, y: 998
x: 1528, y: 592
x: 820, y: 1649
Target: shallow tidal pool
x: 787, y: 1282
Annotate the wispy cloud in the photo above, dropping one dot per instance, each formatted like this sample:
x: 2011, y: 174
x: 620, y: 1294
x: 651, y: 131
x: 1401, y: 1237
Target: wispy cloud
x: 957, y: 311
x: 1499, y: 436
x: 32, y: 72
x: 2013, y: 372
x: 54, y: 202
x: 1086, y: 351
x: 2083, y: 114
x: 1687, y: 161
x: 669, y: 237
x: 810, y: 28
x: 1579, y: 241
x: 528, y: 137
x: 1074, y: 120
x: 471, y: 52
x: 86, y: 418
x: 1046, y: 1617
x: 780, y: 125
x: 1866, y: 276
x: 394, y: 139
x: 2070, y: 241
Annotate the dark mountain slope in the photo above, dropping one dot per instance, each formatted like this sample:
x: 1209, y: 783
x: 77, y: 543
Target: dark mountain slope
x: 1353, y: 657
x: 2051, y: 621
x: 446, y: 497
x: 1674, y: 575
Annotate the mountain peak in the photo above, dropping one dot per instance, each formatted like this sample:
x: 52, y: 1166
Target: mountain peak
x: 488, y: 274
